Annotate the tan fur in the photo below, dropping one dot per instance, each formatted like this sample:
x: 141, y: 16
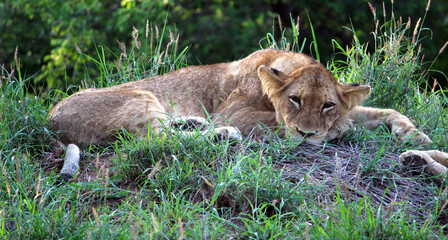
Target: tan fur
x: 257, y: 89
x: 93, y: 116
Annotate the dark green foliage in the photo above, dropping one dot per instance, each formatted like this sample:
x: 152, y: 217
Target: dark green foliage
x: 49, y: 34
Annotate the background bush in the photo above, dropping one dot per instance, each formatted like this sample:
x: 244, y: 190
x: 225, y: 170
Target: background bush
x: 46, y: 32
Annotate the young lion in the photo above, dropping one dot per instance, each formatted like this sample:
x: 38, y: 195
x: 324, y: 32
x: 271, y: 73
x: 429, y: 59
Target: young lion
x: 271, y: 87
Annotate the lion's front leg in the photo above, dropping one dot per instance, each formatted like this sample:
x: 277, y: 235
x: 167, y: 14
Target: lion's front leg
x: 399, y: 124
x: 433, y: 162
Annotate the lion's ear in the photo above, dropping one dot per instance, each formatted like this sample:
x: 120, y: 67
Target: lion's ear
x: 354, y: 94
x: 271, y: 79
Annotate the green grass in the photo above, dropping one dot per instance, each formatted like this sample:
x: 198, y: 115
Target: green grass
x: 191, y: 187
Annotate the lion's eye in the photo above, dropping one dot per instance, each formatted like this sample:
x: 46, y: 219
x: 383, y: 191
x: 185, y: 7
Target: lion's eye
x: 328, y: 106
x: 295, y: 100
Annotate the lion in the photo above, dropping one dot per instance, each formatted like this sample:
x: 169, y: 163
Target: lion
x: 282, y: 90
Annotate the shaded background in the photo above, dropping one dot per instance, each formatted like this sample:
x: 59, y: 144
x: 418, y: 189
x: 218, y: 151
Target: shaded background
x: 46, y: 31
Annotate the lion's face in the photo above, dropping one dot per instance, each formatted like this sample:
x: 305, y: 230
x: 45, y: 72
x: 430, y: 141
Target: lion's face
x: 309, y: 101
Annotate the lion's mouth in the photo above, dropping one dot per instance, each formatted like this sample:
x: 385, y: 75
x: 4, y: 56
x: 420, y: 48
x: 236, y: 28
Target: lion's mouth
x: 311, y: 137
x: 305, y: 134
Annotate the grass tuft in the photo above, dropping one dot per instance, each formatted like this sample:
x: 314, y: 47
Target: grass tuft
x: 22, y: 117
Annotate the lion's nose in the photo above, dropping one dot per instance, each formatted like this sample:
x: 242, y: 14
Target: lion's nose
x: 306, y: 134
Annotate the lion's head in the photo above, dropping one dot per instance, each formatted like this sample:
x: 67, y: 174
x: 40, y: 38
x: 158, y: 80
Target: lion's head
x: 309, y: 101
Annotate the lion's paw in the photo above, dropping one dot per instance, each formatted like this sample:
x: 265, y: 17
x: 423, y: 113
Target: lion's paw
x: 231, y: 133
x: 411, y: 133
x: 413, y: 159
x: 188, y: 123
x: 421, y: 138
x: 416, y: 161
x: 418, y: 137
